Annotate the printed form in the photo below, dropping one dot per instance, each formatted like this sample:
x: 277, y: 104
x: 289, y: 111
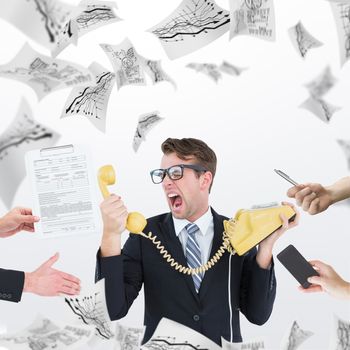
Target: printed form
x: 64, y: 189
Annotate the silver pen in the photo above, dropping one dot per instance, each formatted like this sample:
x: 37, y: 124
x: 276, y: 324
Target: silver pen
x: 286, y: 177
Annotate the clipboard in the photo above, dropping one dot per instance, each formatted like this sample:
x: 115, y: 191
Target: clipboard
x: 64, y: 190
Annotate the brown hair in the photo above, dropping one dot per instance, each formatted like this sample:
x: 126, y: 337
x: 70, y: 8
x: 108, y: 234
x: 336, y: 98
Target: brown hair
x: 187, y: 148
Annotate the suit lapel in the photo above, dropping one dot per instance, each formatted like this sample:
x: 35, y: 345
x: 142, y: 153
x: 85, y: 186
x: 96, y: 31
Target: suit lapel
x: 173, y: 245
x: 217, y: 241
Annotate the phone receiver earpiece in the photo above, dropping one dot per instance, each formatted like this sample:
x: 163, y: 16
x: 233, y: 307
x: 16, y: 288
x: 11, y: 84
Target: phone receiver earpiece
x: 135, y: 222
x: 106, y: 177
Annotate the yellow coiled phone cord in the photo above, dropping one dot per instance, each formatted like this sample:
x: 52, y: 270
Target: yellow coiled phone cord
x: 136, y: 222
x: 226, y: 246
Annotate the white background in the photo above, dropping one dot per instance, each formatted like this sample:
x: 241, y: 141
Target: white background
x: 252, y: 122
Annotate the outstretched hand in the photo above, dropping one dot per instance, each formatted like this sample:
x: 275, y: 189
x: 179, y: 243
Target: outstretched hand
x: 47, y: 281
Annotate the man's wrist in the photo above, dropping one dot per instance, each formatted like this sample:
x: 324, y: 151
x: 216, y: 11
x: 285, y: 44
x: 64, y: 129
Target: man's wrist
x: 28, y: 282
x: 264, y: 257
x: 333, y: 194
x: 110, y: 244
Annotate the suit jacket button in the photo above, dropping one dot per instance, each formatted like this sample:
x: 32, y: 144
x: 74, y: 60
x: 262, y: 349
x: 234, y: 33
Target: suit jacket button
x: 196, y: 317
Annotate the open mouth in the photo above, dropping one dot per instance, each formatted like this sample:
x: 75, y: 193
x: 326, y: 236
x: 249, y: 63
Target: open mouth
x: 175, y: 200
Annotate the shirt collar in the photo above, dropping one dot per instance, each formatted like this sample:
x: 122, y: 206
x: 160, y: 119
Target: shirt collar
x: 203, y: 223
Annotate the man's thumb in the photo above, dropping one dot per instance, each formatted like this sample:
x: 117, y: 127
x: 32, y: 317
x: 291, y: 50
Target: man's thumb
x: 316, y: 280
x: 52, y: 260
x: 29, y: 219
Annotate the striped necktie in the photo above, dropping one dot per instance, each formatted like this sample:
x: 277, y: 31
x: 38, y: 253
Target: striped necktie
x: 193, y: 253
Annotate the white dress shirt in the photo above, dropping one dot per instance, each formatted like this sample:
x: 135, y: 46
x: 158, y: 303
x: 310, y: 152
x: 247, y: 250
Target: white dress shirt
x: 204, y: 236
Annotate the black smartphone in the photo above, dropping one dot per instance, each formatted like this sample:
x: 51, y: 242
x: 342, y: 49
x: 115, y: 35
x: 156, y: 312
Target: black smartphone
x: 297, y: 265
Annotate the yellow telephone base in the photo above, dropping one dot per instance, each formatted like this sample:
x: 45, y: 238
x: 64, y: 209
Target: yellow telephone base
x: 250, y: 227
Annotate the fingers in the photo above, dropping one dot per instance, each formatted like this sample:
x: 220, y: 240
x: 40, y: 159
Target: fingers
x: 299, y: 196
x: 295, y: 189
x: 307, y: 201
x: 28, y: 219
x: 69, y: 288
x: 24, y: 211
x: 285, y: 222
x: 113, y: 204
x: 113, y: 198
x: 311, y: 289
x: 28, y: 227
x: 318, y: 265
x: 296, y: 219
x: 316, y: 280
x: 314, y: 206
x: 69, y: 278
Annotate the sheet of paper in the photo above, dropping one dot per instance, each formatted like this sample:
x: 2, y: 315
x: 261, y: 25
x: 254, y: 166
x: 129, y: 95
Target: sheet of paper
x: 229, y: 68
x: 146, y: 122
x: 155, y: 71
x: 92, y: 14
x: 64, y: 190
x: 253, y: 17
x: 68, y: 35
x: 44, y: 334
x: 342, y: 21
x: 126, y: 63
x: 92, y: 101
x: 128, y: 338
x: 194, y: 24
x: 41, y: 20
x: 170, y: 334
x: 90, y: 308
x: 302, y: 40
x: 247, y: 345
x: 320, y: 108
x: 294, y: 337
x: 44, y: 74
x: 345, y: 146
x: 22, y: 135
x: 340, y: 336
x: 320, y: 85
x: 209, y: 69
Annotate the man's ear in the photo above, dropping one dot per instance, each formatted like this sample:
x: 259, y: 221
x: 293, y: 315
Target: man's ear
x: 206, y: 180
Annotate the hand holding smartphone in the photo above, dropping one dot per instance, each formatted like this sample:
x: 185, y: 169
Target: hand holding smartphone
x: 297, y: 265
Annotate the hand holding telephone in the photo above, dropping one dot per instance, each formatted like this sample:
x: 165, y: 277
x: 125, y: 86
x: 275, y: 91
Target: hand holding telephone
x: 297, y: 265
x: 251, y: 226
x: 135, y: 222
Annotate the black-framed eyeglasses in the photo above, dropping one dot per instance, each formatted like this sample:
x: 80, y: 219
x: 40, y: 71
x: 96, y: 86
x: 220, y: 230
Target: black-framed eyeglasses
x: 175, y: 172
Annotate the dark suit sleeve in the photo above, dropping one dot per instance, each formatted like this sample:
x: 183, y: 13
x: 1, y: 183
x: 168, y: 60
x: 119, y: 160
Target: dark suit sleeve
x: 258, y: 290
x: 123, y: 277
x: 11, y: 285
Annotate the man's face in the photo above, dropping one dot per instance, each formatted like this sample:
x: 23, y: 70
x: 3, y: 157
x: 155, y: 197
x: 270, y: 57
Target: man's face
x: 187, y: 197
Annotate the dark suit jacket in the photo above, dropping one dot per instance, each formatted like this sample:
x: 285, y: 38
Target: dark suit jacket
x: 171, y: 294
x: 11, y: 285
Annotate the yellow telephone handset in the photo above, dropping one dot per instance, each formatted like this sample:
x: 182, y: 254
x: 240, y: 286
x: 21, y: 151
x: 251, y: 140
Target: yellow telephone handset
x: 135, y: 222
